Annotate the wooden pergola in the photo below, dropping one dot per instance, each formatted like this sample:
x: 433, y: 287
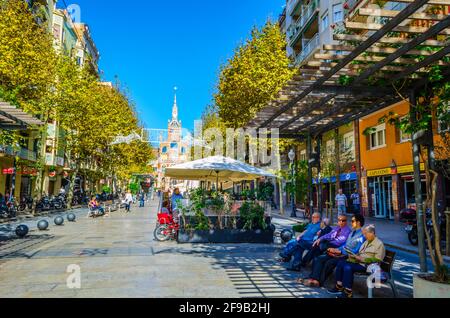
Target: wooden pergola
x: 384, y: 56
x: 12, y: 118
x: 358, y: 76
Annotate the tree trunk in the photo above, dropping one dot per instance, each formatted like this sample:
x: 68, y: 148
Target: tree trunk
x: 435, y: 220
x: 72, y: 187
x: 41, y: 159
x: 280, y: 188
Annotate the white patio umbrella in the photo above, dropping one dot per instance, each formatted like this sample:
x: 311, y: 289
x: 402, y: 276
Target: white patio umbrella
x: 217, y: 169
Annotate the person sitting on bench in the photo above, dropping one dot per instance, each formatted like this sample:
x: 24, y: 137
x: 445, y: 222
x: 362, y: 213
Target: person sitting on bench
x: 324, y: 265
x: 371, y: 252
x: 95, y: 208
x: 304, y: 242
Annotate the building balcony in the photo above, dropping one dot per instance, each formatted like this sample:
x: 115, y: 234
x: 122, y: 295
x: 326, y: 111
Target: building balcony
x: 292, y: 6
x: 22, y: 153
x: 309, y: 46
x: 297, y: 28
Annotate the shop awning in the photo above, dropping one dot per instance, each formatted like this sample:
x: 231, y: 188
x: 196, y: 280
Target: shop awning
x: 12, y: 118
x: 361, y: 75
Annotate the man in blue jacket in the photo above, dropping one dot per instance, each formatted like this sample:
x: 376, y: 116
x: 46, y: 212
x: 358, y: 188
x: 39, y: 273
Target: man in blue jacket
x: 303, y: 243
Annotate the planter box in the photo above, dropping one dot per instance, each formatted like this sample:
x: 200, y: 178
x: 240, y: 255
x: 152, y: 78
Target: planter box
x: 426, y: 289
x: 227, y: 236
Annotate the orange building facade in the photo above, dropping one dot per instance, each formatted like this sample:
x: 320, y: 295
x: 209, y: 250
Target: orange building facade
x: 387, y: 183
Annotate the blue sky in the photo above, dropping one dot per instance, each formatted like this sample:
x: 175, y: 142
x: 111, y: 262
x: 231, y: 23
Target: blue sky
x: 155, y: 45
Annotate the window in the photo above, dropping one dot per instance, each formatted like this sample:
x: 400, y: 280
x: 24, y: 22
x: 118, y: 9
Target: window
x: 324, y: 22
x: 303, y: 155
x: 173, y: 145
x: 164, y: 150
x: 56, y: 31
x: 338, y: 14
x: 348, y: 142
x: 378, y: 137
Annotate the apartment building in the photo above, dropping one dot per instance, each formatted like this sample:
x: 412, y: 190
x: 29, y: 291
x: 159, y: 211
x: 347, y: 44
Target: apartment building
x: 309, y: 24
x: 87, y: 52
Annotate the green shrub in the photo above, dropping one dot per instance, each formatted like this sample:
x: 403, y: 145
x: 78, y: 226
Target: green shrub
x: 299, y: 228
x: 252, y: 216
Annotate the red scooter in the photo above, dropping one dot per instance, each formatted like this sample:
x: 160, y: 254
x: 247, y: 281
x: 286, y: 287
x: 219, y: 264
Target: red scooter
x: 166, y: 228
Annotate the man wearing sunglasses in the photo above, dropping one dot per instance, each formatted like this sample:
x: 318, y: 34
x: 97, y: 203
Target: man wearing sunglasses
x: 324, y: 265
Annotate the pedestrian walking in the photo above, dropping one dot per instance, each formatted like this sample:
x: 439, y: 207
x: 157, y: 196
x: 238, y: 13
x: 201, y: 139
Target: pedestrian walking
x: 356, y: 202
x: 142, y: 200
x: 128, y: 200
x: 341, y: 203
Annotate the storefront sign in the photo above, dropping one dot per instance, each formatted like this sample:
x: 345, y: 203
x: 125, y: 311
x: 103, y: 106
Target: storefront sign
x: 390, y: 171
x: 409, y: 169
x: 29, y: 171
x: 379, y: 172
x: 8, y: 171
x: 342, y: 178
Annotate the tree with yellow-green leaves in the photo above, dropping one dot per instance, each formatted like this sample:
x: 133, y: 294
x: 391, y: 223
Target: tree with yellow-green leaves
x: 256, y: 73
x: 27, y: 58
x: 53, y: 88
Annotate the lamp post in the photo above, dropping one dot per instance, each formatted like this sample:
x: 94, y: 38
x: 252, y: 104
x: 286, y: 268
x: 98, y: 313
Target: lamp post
x: 291, y: 158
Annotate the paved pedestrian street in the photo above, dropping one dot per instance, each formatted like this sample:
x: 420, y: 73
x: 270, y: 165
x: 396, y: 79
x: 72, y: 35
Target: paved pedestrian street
x: 119, y: 257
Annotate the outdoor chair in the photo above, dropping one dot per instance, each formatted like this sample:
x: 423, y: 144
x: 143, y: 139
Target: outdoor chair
x: 386, y: 267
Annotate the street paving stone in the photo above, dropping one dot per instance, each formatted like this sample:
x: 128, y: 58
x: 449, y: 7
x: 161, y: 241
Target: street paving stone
x: 118, y: 257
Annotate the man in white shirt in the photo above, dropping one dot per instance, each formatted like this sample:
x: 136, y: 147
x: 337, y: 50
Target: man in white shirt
x: 128, y: 200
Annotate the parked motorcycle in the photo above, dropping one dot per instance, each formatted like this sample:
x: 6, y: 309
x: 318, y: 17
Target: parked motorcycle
x: 26, y: 203
x: 44, y: 204
x: 8, y: 210
x: 409, y: 217
x: 58, y: 202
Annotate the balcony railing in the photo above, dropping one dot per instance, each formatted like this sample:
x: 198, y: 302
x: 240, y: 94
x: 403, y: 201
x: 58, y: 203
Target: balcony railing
x: 309, y: 45
x: 22, y: 153
x: 297, y: 27
x: 291, y: 7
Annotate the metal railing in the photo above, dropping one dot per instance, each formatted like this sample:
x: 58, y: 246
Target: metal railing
x: 292, y: 6
x: 22, y: 153
x: 306, y: 14
x: 308, y: 47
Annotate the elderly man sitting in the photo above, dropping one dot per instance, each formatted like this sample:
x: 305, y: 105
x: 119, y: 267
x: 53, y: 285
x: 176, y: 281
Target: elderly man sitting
x: 303, y: 243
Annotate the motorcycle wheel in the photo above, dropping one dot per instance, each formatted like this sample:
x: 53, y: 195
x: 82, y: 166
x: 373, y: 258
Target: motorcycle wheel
x: 413, y: 238
x: 162, y: 233
x: 22, y: 207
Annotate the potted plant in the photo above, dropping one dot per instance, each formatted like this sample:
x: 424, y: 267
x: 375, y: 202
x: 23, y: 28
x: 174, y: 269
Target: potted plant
x: 437, y: 284
x: 224, y: 225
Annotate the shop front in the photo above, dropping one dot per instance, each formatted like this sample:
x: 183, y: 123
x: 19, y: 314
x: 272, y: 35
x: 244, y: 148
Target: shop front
x: 347, y: 182
x: 387, y: 191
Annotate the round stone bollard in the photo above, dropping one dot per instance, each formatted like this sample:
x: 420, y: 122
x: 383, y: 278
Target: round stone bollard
x: 286, y: 235
x: 71, y: 217
x: 22, y: 231
x: 42, y: 225
x: 59, y: 220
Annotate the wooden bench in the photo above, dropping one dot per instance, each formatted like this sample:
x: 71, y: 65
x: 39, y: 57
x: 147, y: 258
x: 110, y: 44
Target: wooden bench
x: 386, y: 267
